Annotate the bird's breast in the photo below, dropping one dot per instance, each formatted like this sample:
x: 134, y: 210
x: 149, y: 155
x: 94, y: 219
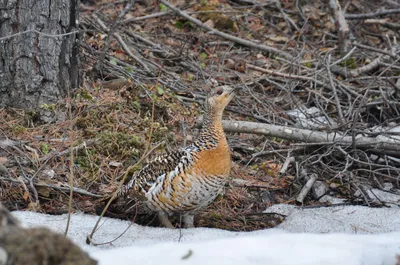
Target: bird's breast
x: 213, y: 162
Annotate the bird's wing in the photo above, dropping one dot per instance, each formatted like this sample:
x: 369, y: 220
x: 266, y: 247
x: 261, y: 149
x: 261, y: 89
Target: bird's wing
x: 168, y: 164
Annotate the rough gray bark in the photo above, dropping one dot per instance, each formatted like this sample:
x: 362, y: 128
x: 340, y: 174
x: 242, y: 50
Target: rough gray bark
x: 37, y: 67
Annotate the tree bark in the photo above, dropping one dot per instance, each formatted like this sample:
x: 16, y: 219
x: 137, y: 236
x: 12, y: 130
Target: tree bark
x: 38, y: 58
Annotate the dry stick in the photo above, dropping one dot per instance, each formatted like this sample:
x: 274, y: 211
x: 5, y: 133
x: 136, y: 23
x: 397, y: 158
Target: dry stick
x: 299, y: 77
x: 392, y: 26
x: 122, y: 43
x: 46, y: 185
x: 67, y: 151
x: 161, y: 14
x: 71, y: 168
x: 99, y: 63
x: 344, y: 57
x: 309, y: 136
x: 270, y: 152
x: 154, y: 15
x: 285, y: 17
x: 372, y: 15
x: 240, y: 41
x: 289, y: 160
x: 337, y: 101
x: 53, y: 154
x: 341, y: 26
x: 306, y: 189
x: 366, y: 68
x: 134, y: 57
x: 391, y: 3
x: 357, y: 72
x: 30, y: 182
x: 120, y: 235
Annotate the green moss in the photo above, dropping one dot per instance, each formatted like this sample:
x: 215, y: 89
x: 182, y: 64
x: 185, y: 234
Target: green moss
x: 203, y: 56
x: 163, y: 134
x: 135, y: 105
x: 47, y: 107
x: 308, y: 64
x: 215, y: 216
x: 18, y: 129
x: 349, y: 63
x: 83, y: 122
x: 221, y: 21
x: 84, y: 94
x: 119, y: 145
x: 45, y: 148
x: 84, y: 162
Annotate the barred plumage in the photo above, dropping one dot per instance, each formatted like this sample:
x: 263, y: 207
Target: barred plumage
x: 191, y: 178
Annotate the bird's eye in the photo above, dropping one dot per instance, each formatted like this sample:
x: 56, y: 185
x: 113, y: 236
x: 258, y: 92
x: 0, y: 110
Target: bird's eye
x: 219, y: 92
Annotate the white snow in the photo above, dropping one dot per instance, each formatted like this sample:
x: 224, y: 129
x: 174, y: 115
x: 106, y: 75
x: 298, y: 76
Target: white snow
x: 339, y: 219
x: 333, y: 235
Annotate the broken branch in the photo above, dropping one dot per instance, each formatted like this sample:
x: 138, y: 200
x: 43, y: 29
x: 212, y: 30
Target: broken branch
x: 379, y: 143
x: 372, y: 15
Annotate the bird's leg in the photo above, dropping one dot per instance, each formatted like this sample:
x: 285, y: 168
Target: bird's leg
x: 163, y: 218
x: 188, y: 221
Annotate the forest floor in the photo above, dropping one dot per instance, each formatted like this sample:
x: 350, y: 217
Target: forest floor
x: 146, y: 68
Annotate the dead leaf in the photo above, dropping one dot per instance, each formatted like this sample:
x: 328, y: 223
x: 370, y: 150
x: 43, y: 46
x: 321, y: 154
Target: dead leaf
x: 209, y: 23
x: 26, y: 196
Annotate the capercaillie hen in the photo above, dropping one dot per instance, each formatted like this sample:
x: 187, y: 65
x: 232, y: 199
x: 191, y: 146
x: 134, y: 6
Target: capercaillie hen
x: 188, y: 179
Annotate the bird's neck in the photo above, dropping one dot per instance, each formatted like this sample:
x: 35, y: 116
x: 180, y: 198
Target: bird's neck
x: 212, y: 130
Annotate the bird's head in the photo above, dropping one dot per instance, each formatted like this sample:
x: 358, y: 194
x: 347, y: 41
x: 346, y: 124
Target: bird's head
x: 220, y: 97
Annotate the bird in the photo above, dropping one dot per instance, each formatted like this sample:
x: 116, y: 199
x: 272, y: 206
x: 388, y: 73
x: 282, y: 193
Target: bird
x: 188, y: 179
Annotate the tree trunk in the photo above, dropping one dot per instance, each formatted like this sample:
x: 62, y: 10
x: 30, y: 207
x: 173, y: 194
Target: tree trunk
x: 38, y: 60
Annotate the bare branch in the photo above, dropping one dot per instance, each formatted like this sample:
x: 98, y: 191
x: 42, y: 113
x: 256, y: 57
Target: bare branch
x: 380, y: 142
x: 372, y: 15
x: 306, y: 189
x: 341, y: 25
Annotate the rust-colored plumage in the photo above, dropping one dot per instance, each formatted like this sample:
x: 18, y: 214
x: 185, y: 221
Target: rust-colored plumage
x: 190, y: 178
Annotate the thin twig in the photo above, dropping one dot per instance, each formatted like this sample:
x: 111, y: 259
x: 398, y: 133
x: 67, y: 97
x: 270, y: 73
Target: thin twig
x: 154, y: 15
x: 71, y: 168
x: 97, y: 67
x: 335, y: 94
x: 119, y: 236
x: 134, y: 57
x: 291, y: 76
x: 372, y: 15
x: 362, y: 46
x: 341, y: 26
x: 46, y: 185
x: 306, y: 135
x: 306, y: 189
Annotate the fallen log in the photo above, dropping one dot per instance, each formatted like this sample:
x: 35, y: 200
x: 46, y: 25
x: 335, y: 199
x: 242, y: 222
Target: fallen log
x: 382, y: 144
